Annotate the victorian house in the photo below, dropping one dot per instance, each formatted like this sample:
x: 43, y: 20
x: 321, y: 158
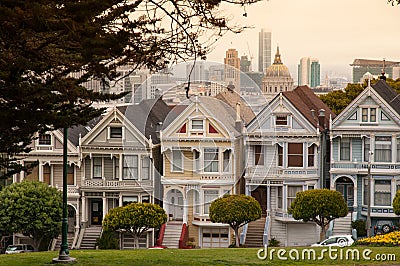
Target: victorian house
x: 286, y: 151
x: 366, y: 136
x: 201, y: 145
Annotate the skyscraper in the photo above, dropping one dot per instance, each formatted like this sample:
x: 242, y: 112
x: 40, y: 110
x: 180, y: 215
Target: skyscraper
x: 309, y: 72
x: 232, y: 69
x: 264, y: 50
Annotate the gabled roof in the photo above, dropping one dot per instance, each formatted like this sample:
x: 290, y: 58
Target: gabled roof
x: 305, y: 100
x: 232, y: 98
x: 146, y: 115
x: 388, y: 94
x: 76, y: 131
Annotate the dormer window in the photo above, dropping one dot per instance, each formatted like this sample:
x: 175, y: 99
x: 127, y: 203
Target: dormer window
x: 281, y: 120
x: 115, y: 132
x: 45, y: 139
x: 197, y: 125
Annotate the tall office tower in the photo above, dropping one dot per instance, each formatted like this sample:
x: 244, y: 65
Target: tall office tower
x: 197, y: 71
x: 232, y: 69
x: 264, y: 50
x: 309, y: 72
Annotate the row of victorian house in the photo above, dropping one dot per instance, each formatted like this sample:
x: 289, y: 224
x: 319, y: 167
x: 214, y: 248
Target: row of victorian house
x: 185, y: 157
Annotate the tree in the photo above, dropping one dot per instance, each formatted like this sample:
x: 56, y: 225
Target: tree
x: 135, y: 218
x: 235, y: 210
x: 396, y: 203
x: 32, y: 208
x: 394, y: 2
x: 338, y: 100
x: 48, y: 49
x: 320, y: 206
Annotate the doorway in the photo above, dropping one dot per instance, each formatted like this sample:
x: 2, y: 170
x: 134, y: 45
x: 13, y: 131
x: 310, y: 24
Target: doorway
x: 346, y: 187
x: 96, y: 206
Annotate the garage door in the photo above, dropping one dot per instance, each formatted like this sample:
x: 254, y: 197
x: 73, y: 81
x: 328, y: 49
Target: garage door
x: 301, y: 234
x: 215, y: 237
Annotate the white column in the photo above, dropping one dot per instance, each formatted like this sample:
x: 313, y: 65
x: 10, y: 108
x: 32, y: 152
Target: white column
x: 105, y: 209
x: 77, y: 214
x: 185, y: 211
x: 120, y: 200
x: 121, y: 157
x: 83, y: 207
x: 41, y: 172
x: 355, y: 197
x: 268, y: 198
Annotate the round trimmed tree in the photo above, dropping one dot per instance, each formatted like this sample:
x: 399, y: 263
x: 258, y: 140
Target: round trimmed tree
x: 135, y: 218
x: 235, y: 210
x: 32, y: 208
x: 320, y: 206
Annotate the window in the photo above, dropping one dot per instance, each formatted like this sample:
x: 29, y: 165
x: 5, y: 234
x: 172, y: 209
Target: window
x: 398, y: 150
x: 368, y: 114
x: 366, y: 191
x: 97, y: 167
x: 310, y: 187
x: 295, y: 154
x: 383, y: 149
x: 197, y: 124
x: 280, y: 155
x: 258, y: 155
x: 281, y: 120
x: 382, y: 193
x: 146, y: 199
x: 129, y: 199
x: 71, y: 175
x: 116, y: 168
x: 177, y: 161
x: 196, y: 165
x: 311, y: 156
x: 45, y: 139
x: 367, y: 147
x: 130, y: 167
x: 292, y: 190
x: 46, y: 174
x: 226, y: 158
x: 209, y: 196
x: 280, y: 197
x: 196, y: 202
x: 146, y: 168
x: 345, y: 149
x: 115, y: 132
x: 211, y: 160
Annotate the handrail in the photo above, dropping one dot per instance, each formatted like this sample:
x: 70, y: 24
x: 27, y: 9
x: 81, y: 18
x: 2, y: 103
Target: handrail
x: 243, y: 234
x: 161, y: 235
x: 184, y: 237
x: 266, y: 230
x: 76, y: 235
x: 81, y: 233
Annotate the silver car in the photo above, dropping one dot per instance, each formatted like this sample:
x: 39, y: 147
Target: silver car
x: 19, y: 248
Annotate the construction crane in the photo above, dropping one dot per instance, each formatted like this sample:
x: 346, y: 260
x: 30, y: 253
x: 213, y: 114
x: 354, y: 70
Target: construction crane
x: 251, y: 57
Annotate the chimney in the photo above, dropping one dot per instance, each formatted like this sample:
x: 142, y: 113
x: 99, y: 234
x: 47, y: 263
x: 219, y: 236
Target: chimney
x: 312, y: 113
x: 238, y: 122
x: 321, y: 118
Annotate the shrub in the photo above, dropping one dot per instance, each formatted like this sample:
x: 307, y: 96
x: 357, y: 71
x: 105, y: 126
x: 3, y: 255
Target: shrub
x: 359, y: 225
x: 390, y: 239
x: 107, y: 241
x: 273, y: 242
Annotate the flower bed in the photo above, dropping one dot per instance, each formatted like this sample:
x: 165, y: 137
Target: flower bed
x: 390, y: 239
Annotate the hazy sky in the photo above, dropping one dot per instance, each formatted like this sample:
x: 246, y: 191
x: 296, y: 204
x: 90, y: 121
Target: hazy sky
x: 334, y: 31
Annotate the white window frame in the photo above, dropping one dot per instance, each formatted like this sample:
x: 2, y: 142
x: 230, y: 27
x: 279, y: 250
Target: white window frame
x: 281, y: 125
x: 45, y: 145
x: 340, y: 150
x: 111, y: 134
x: 383, y: 142
x: 146, y: 159
x: 210, y: 163
x: 197, y: 129
x: 207, y: 201
x: 129, y: 168
x: 174, y: 167
x: 101, y: 166
x: 369, y: 114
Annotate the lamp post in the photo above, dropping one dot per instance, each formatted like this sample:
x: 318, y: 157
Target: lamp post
x: 368, y: 222
x: 63, y: 256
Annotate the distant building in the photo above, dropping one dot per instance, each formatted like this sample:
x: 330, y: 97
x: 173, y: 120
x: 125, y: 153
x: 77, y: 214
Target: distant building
x: 196, y: 71
x: 264, y: 50
x: 309, y: 72
x: 232, y: 69
x: 375, y: 67
x: 277, y: 78
x: 245, y: 64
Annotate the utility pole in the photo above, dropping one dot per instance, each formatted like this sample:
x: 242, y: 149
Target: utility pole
x: 368, y: 222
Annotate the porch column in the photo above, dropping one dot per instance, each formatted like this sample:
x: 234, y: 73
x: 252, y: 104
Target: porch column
x: 185, y: 211
x: 105, y: 209
x: 77, y: 214
x: 268, y: 199
x: 83, y: 207
x: 355, y: 204
x: 120, y: 203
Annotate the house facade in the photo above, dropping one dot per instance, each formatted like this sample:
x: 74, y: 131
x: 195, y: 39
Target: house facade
x: 201, y: 146
x: 286, y: 152
x: 366, y: 135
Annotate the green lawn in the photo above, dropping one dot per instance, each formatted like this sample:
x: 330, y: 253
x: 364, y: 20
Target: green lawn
x: 240, y: 256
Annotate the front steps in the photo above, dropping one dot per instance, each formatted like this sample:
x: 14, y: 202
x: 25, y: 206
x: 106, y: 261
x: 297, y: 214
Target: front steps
x: 255, y: 233
x: 172, y: 234
x: 342, y: 225
x: 90, y: 236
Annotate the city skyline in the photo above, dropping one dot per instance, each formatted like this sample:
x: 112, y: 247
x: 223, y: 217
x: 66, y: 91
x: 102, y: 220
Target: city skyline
x: 336, y: 32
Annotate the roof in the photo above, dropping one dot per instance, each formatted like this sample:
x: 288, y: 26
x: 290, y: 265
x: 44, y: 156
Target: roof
x: 388, y: 94
x: 231, y: 98
x: 305, y: 100
x: 146, y: 115
x: 80, y: 131
x: 370, y: 62
x: 219, y: 110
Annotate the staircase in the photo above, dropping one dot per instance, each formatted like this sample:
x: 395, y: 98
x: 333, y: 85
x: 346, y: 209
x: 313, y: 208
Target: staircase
x: 172, y: 234
x: 70, y: 239
x: 342, y: 226
x: 255, y: 232
x: 90, y: 236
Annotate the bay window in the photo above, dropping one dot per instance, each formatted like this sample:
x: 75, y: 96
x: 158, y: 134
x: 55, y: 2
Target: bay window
x: 345, y: 149
x: 382, y: 194
x: 383, y: 149
x: 295, y: 154
x: 258, y: 155
x: 130, y: 167
x: 211, y: 160
x: 291, y: 194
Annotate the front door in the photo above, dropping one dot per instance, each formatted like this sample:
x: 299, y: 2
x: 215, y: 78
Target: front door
x: 96, y: 211
x: 347, y: 191
x: 260, y: 194
x: 175, y: 204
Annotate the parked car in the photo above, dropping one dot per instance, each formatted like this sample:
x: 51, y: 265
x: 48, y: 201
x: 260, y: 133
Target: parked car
x: 336, y: 241
x: 19, y: 248
x: 384, y: 227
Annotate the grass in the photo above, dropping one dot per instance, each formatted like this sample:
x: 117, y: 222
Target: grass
x: 240, y: 256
